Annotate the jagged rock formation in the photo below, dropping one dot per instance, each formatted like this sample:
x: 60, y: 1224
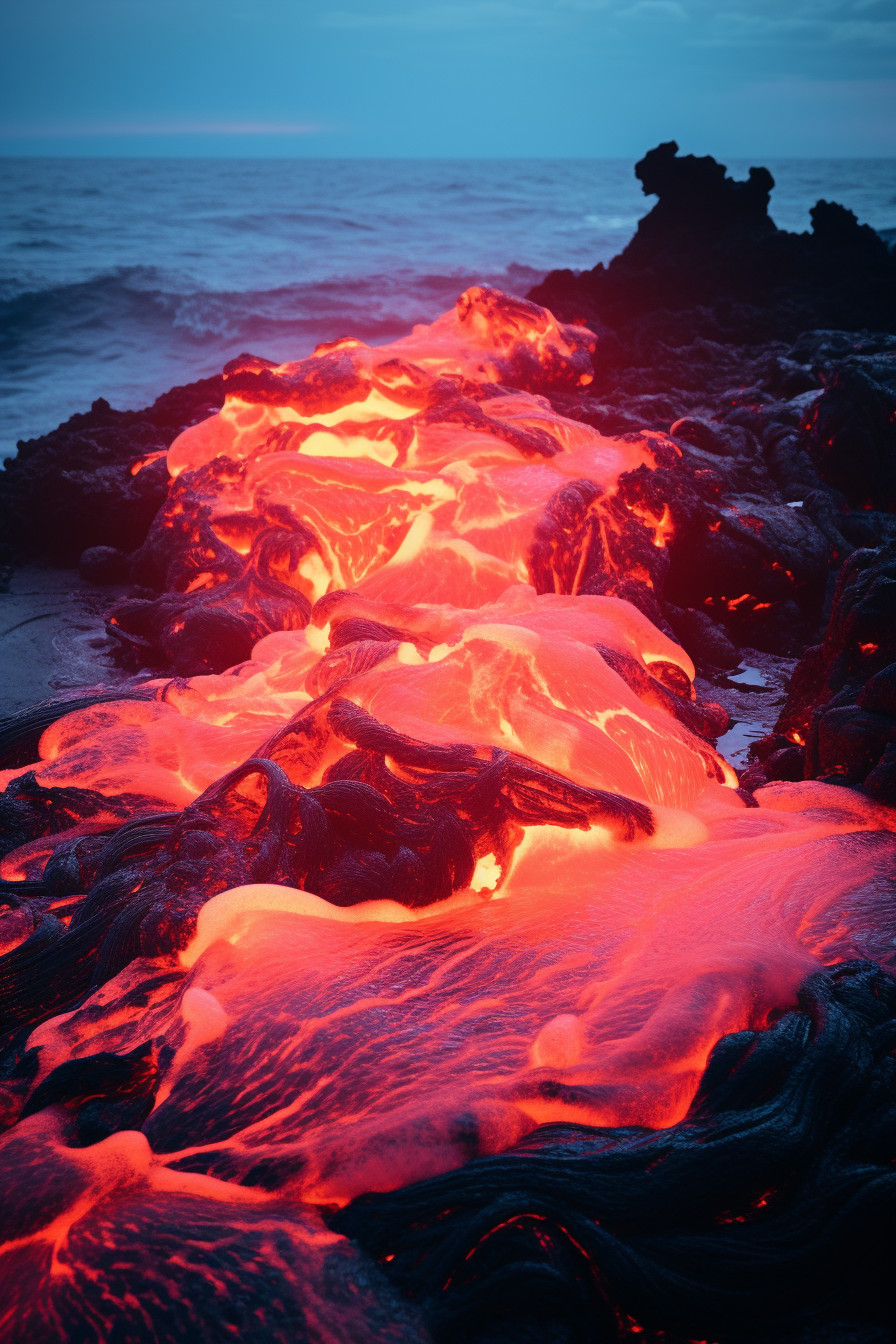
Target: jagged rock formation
x: 707, y: 260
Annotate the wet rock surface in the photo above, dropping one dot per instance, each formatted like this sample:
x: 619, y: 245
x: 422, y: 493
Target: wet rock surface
x: 53, y: 636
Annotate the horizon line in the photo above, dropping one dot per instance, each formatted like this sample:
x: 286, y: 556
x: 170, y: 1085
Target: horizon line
x: 463, y: 158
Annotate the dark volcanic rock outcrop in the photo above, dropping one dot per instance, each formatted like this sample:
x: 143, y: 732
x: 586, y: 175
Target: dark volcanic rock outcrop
x: 709, y: 260
x: 78, y: 486
x: 771, y: 359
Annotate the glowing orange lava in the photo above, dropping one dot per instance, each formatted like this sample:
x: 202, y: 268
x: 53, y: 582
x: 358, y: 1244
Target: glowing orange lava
x: 436, y: 560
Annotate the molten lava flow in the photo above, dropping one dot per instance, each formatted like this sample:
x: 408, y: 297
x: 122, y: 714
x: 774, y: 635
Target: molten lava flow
x: 447, y: 854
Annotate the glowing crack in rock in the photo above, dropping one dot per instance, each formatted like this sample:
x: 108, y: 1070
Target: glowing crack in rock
x: 446, y: 856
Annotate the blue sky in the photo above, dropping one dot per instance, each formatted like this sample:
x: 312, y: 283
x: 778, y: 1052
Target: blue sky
x: 576, y: 78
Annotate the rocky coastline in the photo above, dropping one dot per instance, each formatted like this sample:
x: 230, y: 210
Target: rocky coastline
x: 650, y: 1095
x: 770, y: 360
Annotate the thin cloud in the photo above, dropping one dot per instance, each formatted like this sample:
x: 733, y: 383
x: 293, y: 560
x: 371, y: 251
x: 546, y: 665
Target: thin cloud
x: 442, y: 17
x: 72, y: 129
x: 721, y: 21
x: 656, y: 9
x: 759, y: 21
x: 821, y: 22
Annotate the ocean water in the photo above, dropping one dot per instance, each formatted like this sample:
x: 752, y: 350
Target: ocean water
x: 122, y: 277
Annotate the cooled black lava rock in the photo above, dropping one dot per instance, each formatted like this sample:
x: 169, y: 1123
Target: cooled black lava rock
x: 769, y: 356
x: 103, y: 564
x: 851, y: 433
x: 705, y: 641
x: 761, y: 1217
x: 709, y: 260
x: 842, y: 699
x: 76, y: 487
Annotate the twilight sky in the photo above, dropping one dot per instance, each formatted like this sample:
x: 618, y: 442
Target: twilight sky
x: 579, y: 78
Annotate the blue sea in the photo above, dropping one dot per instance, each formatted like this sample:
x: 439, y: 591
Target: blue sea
x: 122, y: 277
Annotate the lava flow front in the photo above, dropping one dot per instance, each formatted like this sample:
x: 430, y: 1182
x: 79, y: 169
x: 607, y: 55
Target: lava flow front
x: 426, y: 846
